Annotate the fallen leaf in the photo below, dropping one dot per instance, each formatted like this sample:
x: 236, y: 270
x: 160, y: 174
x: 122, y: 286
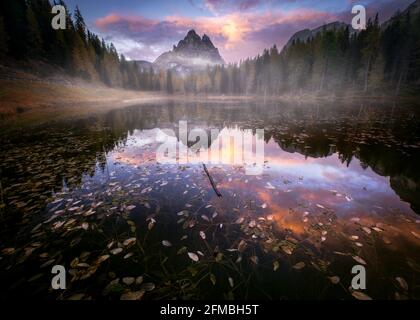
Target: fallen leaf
x: 360, y: 295
x: 403, y: 284
x: 133, y: 295
x: 193, y: 256
x: 116, y: 251
x: 299, y: 265
x: 166, y: 243
x: 359, y: 260
x: 128, y: 280
x: 334, y: 279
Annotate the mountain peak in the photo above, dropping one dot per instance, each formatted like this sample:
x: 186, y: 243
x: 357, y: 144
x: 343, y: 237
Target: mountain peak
x: 191, y: 52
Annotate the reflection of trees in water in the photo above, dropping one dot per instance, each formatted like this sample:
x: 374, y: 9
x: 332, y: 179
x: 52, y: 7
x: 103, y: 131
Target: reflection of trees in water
x: 40, y: 159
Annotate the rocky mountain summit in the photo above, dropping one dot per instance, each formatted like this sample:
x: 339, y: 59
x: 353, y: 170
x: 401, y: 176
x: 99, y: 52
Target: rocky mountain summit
x: 193, y: 52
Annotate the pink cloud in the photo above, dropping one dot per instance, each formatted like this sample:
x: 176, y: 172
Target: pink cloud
x: 238, y: 35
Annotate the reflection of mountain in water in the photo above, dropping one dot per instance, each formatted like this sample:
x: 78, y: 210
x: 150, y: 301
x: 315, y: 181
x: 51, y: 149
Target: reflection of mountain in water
x: 382, y: 138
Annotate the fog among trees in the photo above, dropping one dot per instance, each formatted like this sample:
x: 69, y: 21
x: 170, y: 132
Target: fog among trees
x: 380, y: 59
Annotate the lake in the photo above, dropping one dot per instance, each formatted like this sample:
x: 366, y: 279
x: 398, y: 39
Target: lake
x: 338, y: 187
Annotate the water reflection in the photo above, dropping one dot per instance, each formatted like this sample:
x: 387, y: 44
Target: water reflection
x: 339, y: 186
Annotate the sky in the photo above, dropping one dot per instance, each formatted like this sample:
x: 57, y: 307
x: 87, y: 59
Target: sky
x: 144, y: 29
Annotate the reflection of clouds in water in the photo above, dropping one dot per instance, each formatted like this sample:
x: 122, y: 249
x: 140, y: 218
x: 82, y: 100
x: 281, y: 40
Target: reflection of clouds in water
x: 319, y: 176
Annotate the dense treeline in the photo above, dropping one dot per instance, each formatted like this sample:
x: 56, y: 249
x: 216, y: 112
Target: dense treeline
x: 26, y: 34
x: 380, y: 59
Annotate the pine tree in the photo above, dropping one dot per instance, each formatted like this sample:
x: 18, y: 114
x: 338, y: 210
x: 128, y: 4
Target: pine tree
x: 34, y: 37
x: 80, y: 24
x: 4, y: 48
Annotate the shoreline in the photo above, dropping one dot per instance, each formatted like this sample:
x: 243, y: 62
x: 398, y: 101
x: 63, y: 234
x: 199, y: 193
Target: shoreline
x: 31, y: 100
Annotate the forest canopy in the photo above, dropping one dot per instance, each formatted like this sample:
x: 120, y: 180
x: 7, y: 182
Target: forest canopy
x: 381, y: 59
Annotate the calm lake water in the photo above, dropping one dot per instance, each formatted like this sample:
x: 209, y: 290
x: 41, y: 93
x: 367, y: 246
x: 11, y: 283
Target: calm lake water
x: 338, y: 187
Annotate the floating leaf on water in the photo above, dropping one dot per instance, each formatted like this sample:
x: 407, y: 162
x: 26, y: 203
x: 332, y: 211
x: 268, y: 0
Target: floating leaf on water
x: 193, y: 256
x: 386, y: 240
x: 219, y: 257
x: 116, y: 251
x: 151, y: 224
x: 35, y: 277
x: 231, y: 283
x: 403, y: 284
x: 413, y: 265
x: 8, y: 251
x: 360, y: 295
x: 83, y: 265
x: 213, y: 279
x: 128, y: 280
x: 149, y: 286
x: 46, y: 264
x: 129, y: 242
x: 367, y: 230
x: 252, y: 224
x: 276, y: 265
x: 128, y: 255
x: 133, y: 295
x: 85, y: 225
x: 359, y: 260
x: 202, y: 235
x: 415, y: 234
x: 254, y: 260
x: 182, y: 250
x: 299, y: 265
x: 334, y: 279
x: 166, y: 243
x: 102, y: 258
x: 270, y: 186
x: 76, y: 297
x: 242, y: 246
x: 239, y: 220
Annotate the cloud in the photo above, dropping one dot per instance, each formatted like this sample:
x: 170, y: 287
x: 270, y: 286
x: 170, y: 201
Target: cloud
x: 225, y: 6
x: 238, y: 34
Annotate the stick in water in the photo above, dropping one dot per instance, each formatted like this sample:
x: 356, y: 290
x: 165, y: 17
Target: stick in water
x: 212, y: 181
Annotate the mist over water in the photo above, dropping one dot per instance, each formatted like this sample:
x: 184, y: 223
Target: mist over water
x: 339, y: 187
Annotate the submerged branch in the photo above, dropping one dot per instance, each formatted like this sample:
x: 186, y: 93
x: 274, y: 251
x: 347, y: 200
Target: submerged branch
x: 212, y: 181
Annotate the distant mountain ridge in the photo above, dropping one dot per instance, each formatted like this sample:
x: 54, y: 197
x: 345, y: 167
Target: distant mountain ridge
x: 193, y: 52
x: 307, y: 34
